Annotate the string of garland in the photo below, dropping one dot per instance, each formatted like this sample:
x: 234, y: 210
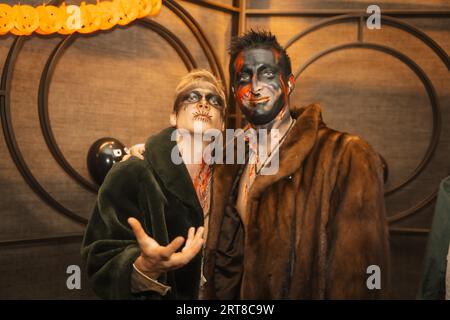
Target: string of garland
x: 87, y: 18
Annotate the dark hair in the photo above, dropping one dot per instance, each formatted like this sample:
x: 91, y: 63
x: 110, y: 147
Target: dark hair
x: 258, y: 39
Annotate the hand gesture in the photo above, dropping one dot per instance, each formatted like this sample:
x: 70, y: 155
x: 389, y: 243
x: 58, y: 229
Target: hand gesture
x: 156, y: 259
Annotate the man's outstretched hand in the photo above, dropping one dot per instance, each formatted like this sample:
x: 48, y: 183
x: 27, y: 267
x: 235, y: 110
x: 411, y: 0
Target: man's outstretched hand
x: 156, y: 259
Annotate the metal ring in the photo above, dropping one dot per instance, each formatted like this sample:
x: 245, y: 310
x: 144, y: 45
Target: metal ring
x: 46, y: 76
x: 393, y: 22
x: 5, y: 104
x: 206, y: 46
x: 8, y: 132
x: 412, y: 65
x: 434, y: 105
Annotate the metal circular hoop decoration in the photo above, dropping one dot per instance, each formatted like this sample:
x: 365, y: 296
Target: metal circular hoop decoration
x: 46, y: 77
x: 412, y: 65
x: 425, y: 81
x: 431, y: 94
x: 5, y: 103
x: 197, y: 31
x: 8, y: 132
x: 393, y: 22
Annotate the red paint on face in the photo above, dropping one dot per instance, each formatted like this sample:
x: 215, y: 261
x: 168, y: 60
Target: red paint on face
x: 239, y: 63
x: 244, y: 93
x: 276, y: 54
x: 284, y: 88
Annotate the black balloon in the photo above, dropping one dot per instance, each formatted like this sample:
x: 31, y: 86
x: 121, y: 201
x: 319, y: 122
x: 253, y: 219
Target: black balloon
x: 102, y: 155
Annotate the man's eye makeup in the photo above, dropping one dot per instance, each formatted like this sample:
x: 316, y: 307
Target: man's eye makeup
x: 192, y: 97
x: 244, y: 77
x: 267, y: 73
x: 195, y: 96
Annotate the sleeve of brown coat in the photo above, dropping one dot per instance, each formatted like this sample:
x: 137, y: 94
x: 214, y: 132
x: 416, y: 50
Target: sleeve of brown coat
x: 357, y: 229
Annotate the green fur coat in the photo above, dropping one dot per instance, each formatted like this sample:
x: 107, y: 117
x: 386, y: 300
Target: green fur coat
x: 161, y: 196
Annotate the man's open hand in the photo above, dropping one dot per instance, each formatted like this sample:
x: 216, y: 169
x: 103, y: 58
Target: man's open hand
x: 156, y: 259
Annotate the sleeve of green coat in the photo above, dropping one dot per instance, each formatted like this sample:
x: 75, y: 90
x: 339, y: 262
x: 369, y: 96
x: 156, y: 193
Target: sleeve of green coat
x: 432, y: 284
x: 109, y: 247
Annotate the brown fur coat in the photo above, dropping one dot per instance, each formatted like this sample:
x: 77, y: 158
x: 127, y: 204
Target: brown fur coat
x: 313, y: 228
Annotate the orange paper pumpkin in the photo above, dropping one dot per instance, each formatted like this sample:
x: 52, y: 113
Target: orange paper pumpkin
x: 90, y: 17
x: 86, y: 18
x: 26, y: 20
x: 51, y: 19
x: 65, y: 29
x: 6, y: 18
x: 156, y: 7
x: 128, y: 11
x: 145, y: 7
x: 109, y: 13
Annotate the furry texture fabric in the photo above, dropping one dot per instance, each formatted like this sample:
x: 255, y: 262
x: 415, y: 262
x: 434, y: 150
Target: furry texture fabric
x: 158, y: 193
x: 437, y: 256
x: 313, y: 228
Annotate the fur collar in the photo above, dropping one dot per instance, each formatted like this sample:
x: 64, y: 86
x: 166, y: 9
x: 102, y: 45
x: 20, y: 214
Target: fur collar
x: 295, y: 148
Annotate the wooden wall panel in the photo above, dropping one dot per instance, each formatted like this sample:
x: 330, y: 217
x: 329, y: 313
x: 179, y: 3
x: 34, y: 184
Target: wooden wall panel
x: 120, y: 84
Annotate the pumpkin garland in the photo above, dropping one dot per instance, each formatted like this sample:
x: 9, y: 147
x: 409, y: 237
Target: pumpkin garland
x: 51, y: 19
x: 66, y: 19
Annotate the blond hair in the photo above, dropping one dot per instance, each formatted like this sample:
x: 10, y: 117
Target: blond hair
x: 193, y: 79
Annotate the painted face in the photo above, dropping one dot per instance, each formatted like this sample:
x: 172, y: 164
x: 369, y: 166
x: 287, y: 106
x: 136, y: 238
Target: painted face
x: 259, y: 86
x: 200, y: 105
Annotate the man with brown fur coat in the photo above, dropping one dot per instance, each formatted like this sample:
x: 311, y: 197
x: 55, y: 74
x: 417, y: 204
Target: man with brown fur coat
x: 312, y: 229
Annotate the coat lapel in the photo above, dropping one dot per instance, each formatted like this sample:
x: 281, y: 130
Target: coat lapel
x: 175, y: 178
x: 295, y: 148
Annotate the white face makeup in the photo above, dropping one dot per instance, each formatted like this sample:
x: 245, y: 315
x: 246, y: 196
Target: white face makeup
x: 200, y: 106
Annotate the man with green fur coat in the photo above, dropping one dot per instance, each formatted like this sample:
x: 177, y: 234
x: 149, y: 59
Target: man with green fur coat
x: 145, y: 208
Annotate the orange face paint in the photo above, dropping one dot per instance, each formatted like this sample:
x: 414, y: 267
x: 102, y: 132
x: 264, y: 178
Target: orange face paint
x: 238, y: 63
x: 244, y: 93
